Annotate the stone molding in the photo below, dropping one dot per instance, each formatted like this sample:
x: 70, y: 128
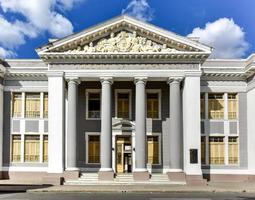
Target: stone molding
x: 174, y: 79
x: 140, y: 80
x: 106, y: 79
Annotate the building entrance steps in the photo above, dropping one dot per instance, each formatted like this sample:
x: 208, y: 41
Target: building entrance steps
x: 92, y: 179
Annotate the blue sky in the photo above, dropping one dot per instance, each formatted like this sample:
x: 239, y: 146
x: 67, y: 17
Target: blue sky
x: 227, y: 25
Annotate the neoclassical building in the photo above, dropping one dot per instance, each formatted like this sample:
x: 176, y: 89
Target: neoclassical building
x: 127, y: 98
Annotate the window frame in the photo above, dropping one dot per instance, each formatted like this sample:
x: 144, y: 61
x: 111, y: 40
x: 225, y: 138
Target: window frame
x: 159, y: 135
x: 95, y: 91
x: 154, y: 91
x: 224, y: 104
x: 238, y: 149
x: 237, y: 106
x: 123, y: 91
x: 87, y: 134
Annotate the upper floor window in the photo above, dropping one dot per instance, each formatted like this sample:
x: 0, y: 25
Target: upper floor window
x: 45, y: 105
x: 93, y: 105
x: 216, y: 106
x: 32, y: 105
x: 123, y: 102
x: 17, y: 105
x: 202, y: 105
x: 153, y: 105
x: 232, y: 106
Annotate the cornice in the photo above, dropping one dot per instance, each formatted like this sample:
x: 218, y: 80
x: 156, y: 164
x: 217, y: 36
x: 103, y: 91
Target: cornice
x: 65, y: 57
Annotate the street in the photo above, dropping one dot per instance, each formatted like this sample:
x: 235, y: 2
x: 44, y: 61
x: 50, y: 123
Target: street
x: 135, y: 196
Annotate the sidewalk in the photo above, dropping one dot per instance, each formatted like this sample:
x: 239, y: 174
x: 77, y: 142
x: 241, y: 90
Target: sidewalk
x: 212, y: 187
x: 7, y: 186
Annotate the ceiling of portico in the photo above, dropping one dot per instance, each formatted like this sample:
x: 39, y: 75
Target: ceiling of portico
x: 126, y: 37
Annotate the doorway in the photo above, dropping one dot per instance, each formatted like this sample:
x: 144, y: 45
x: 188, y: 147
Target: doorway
x: 123, y: 154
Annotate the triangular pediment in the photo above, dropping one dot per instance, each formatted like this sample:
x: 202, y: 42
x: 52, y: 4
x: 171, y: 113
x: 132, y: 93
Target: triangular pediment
x: 124, y: 35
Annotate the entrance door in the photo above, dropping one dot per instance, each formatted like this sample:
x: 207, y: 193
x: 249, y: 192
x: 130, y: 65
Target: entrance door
x: 123, y: 154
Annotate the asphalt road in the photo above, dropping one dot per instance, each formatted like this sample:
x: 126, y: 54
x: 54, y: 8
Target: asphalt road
x: 135, y: 196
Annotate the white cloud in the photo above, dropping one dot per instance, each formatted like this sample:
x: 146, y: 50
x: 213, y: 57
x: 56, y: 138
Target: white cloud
x: 139, y: 9
x: 6, y: 53
x: 39, y: 16
x: 225, y: 36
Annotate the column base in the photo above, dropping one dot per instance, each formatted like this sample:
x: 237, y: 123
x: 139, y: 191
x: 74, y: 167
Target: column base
x: 176, y: 176
x: 53, y: 179
x: 141, y: 176
x: 106, y: 175
x: 195, y: 180
x: 71, y: 174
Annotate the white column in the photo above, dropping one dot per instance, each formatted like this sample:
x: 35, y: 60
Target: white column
x: 72, y: 125
x: 1, y: 125
x: 140, y: 125
x: 251, y: 130
x: 106, y: 171
x: 191, y: 123
x: 175, y: 135
x: 56, y: 86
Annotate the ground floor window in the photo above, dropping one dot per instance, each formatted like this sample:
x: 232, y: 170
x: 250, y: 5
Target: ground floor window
x: 220, y: 150
x: 233, y: 150
x: 153, y: 149
x: 203, y: 150
x: 217, y: 150
x: 93, y: 149
x: 16, y: 148
x: 45, y: 148
x: 30, y: 146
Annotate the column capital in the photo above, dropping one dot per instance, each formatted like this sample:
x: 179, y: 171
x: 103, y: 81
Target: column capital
x: 140, y: 79
x: 176, y: 79
x: 74, y: 80
x: 106, y: 79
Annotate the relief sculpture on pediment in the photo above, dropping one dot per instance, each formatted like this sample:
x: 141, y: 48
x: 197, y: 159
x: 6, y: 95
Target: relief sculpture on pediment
x: 123, y: 42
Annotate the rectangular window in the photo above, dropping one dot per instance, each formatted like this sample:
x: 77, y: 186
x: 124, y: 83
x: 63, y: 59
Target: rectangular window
x: 16, y: 148
x: 123, y: 105
x: 232, y: 106
x: 233, y: 150
x: 45, y: 105
x: 203, y: 149
x: 94, y: 149
x: 16, y: 105
x: 45, y: 148
x: 32, y: 105
x: 94, y: 105
x: 202, y: 105
x: 32, y: 148
x: 153, y: 149
x: 216, y: 106
x: 217, y: 150
x: 153, y: 105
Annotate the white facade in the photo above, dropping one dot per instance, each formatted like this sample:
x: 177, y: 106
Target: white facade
x: 126, y: 56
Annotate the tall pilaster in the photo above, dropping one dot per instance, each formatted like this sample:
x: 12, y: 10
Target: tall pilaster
x: 56, y: 86
x: 175, y: 135
x: 71, y: 136
x: 141, y: 172
x: 191, y: 124
x: 106, y: 171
